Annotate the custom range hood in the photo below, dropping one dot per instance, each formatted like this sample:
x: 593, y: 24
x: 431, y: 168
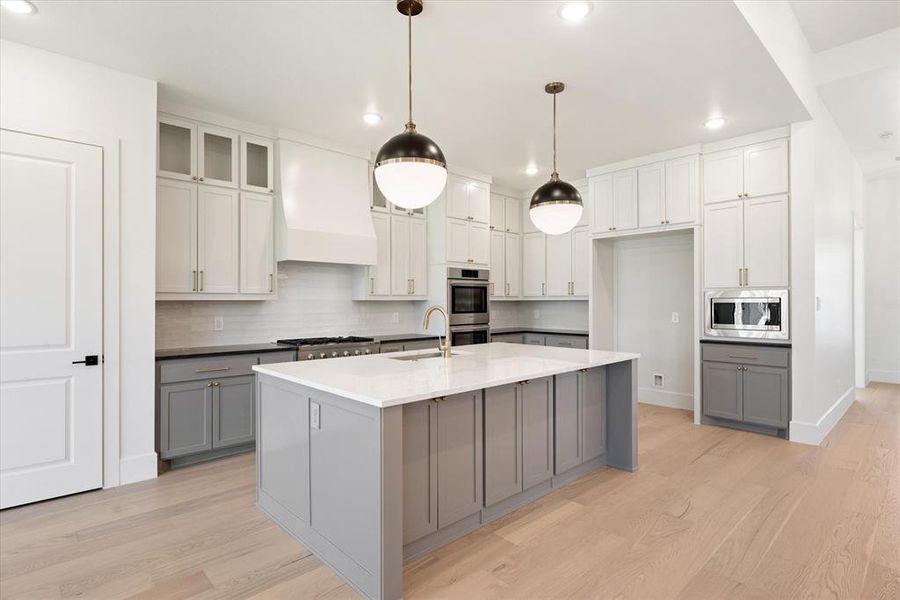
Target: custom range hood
x: 322, y: 206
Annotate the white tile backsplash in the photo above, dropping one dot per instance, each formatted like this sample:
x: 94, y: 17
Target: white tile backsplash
x: 317, y: 299
x: 313, y: 299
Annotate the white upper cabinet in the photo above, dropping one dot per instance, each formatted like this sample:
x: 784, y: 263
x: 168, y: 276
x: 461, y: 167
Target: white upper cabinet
x: 176, y: 147
x: 581, y: 261
x: 601, y: 192
x: 559, y: 265
x: 217, y: 157
x: 176, y: 236
x: 513, y: 267
x: 498, y: 264
x: 766, y: 242
x: 457, y: 241
x: 528, y: 225
x: 723, y: 175
x: 380, y: 272
x: 400, y: 256
x: 652, y: 195
x: 748, y: 172
x: 723, y: 231
x: 534, y: 264
x: 257, y: 244
x: 468, y: 200
x: 498, y: 212
x: 625, y: 200
x: 513, y: 215
x: 766, y: 168
x: 585, y: 219
x: 257, y: 164
x: 409, y: 212
x: 418, y: 263
x: 682, y: 190
x: 218, y: 217
x: 479, y: 244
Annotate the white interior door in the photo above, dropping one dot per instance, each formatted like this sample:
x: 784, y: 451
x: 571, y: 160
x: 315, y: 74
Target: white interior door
x: 51, y: 418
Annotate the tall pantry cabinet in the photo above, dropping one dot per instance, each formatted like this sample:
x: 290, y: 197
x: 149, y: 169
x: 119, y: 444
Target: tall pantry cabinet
x: 214, y: 213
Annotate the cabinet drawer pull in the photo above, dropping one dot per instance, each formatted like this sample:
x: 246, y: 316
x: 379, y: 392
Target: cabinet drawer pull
x: 742, y: 357
x: 213, y: 370
x: 215, y: 384
x: 525, y: 381
x: 194, y: 279
x: 201, y: 281
x: 507, y: 289
x: 371, y: 285
x: 271, y: 283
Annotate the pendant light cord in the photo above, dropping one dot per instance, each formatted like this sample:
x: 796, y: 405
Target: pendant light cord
x: 409, y: 55
x: 554, y: 136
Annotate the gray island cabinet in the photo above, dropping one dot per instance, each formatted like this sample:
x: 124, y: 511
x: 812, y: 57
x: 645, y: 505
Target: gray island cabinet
x: 372, y: 461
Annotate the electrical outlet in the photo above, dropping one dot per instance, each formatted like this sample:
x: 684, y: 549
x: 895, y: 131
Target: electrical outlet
x: 675, y: 317
x: 395, y: 317
x: 536, y: 314
x: 314, y: 415
x: 658, y: 380
x: 218, y: 323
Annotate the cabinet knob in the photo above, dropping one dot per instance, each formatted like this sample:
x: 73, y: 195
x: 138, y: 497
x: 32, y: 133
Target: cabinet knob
x: 271, y: 189
x: 201, y: 179
x: 194, y: 178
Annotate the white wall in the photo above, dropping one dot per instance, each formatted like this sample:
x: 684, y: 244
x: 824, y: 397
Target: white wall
x: 50, y: 94
x: 653, y: 278
x: 314, y: 299
x: 826, y: 188
x: 882, y: 281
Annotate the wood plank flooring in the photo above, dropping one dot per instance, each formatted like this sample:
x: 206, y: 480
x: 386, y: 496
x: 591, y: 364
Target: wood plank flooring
x: 712, y: 513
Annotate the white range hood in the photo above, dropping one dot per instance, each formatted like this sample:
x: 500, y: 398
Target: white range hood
x: 322, y: 208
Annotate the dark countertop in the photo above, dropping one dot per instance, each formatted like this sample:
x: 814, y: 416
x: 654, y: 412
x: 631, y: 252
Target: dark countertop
x: 750, y: 342
x: 173, y: 353
x: 404, y: 337
x: 502, y: 330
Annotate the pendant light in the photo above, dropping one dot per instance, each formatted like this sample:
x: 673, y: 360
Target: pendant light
x: 555, y: 206
x: 410, y: 168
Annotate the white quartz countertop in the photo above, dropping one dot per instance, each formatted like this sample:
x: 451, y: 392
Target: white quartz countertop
x: 382, y: 381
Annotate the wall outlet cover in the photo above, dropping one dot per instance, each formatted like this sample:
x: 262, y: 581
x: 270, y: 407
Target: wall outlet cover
x: 218, y: 323
x: 395, y: 317
x: 658, y: 380
x: 676, y: 317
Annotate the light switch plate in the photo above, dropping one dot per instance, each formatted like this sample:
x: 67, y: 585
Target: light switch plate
x: 395, y: 317
x: 676, y: 317
x: 314, y: 415
x: 218, y: 323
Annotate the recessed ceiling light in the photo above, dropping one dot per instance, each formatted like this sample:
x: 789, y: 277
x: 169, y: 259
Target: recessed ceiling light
x: 372, y: 118
x: 531, y: 169
x: 574, y: 10
x: 22, y: 7
x: 714, y: 123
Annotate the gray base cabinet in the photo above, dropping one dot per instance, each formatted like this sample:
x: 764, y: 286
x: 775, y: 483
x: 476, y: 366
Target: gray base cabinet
x: 233, y: 408
x: 747, y: 384
x: 537, y: 431
x: 443, y: 475
x: 579, y: 422
x: 185, y: 418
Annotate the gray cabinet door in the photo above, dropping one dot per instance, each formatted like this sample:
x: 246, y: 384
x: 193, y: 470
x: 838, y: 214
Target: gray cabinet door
x: 431, y: 344
x: 593, y: 392
x: 765, y: 396
x: 185, y: 415
x: 233, y: 410
x: 459, y: 451
x: 502, y: 442
x: 537, y: 431
x: 567, y: 341
x: 419, y: 470
x: 722, y: 390
x: 509, y: 338
x: 536, y: 339
x: 391, y: 347
x: 567, y: 422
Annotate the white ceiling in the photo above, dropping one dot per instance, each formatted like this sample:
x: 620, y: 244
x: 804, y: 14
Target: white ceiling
x: 830, y: 23
x: 641, y: 76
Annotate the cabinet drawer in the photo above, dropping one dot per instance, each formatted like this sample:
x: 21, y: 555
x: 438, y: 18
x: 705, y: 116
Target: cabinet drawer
x: 509, y: 338
x: 751, y: 355
x: 206, y: 368
x: 391, y: 347
x: 535, y: 339
x: 276, y: 357
x: 567, y: 341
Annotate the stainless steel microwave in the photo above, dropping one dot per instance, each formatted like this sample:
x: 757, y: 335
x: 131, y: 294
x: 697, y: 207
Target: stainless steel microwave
x: 749, y: 314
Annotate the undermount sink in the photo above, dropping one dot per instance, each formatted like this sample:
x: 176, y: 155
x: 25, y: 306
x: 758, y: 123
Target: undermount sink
x: 437, y: 354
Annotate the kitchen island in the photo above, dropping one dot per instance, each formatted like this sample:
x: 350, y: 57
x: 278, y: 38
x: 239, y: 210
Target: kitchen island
x: 373, y: 460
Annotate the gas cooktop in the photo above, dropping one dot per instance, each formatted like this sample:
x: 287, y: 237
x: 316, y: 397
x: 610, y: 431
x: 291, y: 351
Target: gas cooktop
x: 327, y: 341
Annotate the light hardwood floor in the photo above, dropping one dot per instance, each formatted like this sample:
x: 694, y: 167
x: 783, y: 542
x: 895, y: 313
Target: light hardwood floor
x: 712, y: 513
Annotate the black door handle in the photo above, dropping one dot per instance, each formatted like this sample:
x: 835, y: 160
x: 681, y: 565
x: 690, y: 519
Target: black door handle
x: 90, y: 360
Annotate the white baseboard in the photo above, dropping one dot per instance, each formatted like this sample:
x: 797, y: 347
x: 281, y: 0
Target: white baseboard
x: 667, y: 399
x: 883, y: 376
x: 814, y: 433
x: 137, y: 468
